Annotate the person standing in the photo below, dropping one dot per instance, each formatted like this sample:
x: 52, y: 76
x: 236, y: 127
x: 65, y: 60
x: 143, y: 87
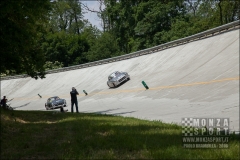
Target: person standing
x: 74, y: 100
x: 4, y: 102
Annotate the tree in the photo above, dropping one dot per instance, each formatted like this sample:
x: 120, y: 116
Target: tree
x: 192, y: 6
x: 67, y: 16
x: 105, y: 46
x: 52, y: 65
x: 155, y: 18
x: 21, y: 30
x: 228, y: 10
x: 101, y: 13
x: 65, y: 48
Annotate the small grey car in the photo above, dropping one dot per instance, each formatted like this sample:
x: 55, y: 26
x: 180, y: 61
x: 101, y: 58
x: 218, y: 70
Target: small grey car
x: 116, y: 78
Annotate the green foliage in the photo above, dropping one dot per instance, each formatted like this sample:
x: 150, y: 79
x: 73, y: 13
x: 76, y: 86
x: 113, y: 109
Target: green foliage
x: 158, y: 18
x: 205, y: 16
x: 139, y: 24
x: 52, y: 65
x: 65, y: 48
x: 21, y: 29
x: 55, y: 135
x: 66, y: 16
x: 104, y: 47
x: 91, y: 33
x: 69, y: 36
x: 136, y: 23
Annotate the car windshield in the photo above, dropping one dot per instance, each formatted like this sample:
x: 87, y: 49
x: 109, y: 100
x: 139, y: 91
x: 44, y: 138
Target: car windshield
x: 117, y: 73
x: 113, y: 75
x: 53, y: 99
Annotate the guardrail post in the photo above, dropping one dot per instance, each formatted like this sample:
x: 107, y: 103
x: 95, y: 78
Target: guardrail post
x: 145, y: 85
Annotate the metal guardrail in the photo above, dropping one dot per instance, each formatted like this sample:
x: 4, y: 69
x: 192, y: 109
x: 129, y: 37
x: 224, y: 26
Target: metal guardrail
x: 205, y: 34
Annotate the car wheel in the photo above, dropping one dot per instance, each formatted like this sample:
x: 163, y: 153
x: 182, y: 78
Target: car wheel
x: 108, y: 85
x: 128, y: 78
x: 114, y: 85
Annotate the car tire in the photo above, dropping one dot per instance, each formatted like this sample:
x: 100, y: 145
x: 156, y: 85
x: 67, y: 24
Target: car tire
x: 114, y: 85
x: 108, y: 85
x: 46, y: 106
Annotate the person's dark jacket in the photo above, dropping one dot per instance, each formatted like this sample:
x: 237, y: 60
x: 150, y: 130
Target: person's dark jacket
x: 3, y: 102
x: 74, y: 94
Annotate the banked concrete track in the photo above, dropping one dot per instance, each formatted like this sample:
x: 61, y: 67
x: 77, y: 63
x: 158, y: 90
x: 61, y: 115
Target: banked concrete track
x: 197, y: 79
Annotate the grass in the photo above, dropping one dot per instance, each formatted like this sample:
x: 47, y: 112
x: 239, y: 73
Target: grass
x: 44, y: 135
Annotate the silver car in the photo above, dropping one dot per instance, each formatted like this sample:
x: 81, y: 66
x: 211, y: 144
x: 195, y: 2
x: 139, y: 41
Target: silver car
x: 55, y: 102
x: 116, y: 78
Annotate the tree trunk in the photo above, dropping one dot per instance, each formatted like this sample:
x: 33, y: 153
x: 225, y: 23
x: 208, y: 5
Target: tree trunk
x: 220, y: 10
x: 76, y: 21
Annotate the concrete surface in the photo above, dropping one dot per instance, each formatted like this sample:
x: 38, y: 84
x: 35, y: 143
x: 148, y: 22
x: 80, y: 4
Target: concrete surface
x: 198, y: 79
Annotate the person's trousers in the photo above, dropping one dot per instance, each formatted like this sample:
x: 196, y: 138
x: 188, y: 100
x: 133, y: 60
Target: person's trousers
x: 76, y: 105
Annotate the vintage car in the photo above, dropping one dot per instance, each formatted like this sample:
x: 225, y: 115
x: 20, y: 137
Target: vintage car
x: 116, y: 78
x: 55, y: 102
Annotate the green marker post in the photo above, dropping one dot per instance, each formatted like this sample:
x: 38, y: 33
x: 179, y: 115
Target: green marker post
x: 39, y: 95
x: 85, y: 92
x: 145, y: 85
